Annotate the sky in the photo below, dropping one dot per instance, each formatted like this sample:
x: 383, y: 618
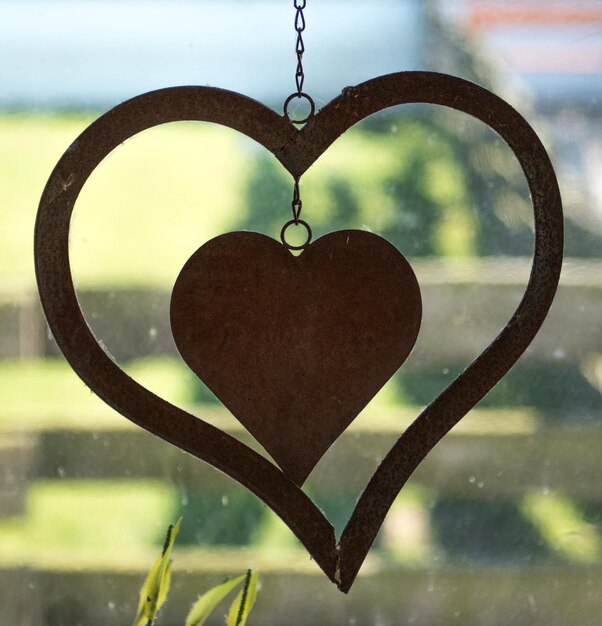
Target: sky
x: 75, y: 54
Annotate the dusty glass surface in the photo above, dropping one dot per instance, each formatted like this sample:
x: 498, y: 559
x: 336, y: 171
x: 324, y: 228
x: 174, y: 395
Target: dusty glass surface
x: 503, y: 521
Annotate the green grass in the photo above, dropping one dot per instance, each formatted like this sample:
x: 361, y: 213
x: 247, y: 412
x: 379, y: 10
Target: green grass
x: 561, y: 523
x: 85, y: 521
x: 145, y: 209
x: 88, y: 515
x: 29, y: 146
x: 34, y: 396
x: 94, y: 524
x: 48, y: 394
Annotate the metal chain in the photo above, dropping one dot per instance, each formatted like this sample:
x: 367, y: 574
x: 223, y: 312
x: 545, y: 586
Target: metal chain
x: 299, y: 71
x: 299, y: 45
x: 299, y: 6
x: 296, y: 204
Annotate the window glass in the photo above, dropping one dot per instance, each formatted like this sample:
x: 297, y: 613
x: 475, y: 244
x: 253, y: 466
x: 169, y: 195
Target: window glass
x: 503, y: 521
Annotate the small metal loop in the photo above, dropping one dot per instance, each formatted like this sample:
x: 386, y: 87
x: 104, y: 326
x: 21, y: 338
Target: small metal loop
x: 299, y: 80
x: 300, y: 5
x: 299, y: 21
x: 296, y: 206
x: 283, y: 235
x: 312, y: 108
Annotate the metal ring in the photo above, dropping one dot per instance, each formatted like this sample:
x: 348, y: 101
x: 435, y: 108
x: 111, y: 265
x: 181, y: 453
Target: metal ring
x: 312, y: 107
x: 283, y: 233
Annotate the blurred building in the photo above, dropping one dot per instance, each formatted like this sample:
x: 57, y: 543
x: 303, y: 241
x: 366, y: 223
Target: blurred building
x: 553, y: 50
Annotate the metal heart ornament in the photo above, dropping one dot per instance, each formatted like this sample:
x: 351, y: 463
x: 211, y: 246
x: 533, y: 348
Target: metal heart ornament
x: 296, y: 346
x: 297, y: 150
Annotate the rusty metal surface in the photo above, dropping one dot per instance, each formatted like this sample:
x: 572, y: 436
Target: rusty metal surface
x: 297, y: 150
x: 296, y: 346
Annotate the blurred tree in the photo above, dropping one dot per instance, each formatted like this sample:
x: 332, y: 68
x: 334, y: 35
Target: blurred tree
x: 495, y: 182
x: 415, y: 196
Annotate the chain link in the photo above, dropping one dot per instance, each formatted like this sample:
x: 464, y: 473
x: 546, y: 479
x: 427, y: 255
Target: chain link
x: 299, y: 44
x: 299, y: 23
x: 296, y: 204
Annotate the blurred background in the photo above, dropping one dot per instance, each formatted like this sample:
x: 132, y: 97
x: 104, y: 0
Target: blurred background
x: 503, y: 521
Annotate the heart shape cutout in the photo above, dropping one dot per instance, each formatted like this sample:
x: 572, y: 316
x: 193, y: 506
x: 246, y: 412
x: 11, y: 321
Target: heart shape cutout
x: 296, y: 150
x: 296, y: 346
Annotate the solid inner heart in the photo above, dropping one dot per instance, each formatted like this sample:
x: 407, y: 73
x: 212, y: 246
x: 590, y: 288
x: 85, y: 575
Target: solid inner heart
x: 296, y: 346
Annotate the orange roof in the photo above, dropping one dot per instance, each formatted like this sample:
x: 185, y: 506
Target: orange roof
x: 483, y: 15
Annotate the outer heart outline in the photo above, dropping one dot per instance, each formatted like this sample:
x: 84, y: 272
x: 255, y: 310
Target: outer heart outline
x: 297, y: 150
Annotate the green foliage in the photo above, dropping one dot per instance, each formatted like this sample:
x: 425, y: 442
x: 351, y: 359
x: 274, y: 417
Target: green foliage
x: 552, y: 514
x: 214, y: 521
x: 453, y: 188
x: 402, y: 181
x: 156, y: 586
x: 557, y: 389
x: 158, y: 581
x: 206, y: 603
x: 66, y: 521
x: 244, y: 601
x: 494, y: 531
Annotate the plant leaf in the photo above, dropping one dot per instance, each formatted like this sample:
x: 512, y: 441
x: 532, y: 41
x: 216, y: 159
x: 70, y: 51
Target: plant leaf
x: 164, y: 586
x: 244, y: 601
x: 206, y: 603
x: 156, y: 586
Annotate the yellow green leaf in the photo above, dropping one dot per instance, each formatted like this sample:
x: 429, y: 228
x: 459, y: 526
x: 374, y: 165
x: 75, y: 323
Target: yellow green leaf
x: 164, y: 586
x: 206, y: 603
x: 244, y: 601
x: 156, y: 586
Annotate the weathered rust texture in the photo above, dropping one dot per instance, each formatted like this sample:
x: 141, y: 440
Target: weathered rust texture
x: 297, y: 150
